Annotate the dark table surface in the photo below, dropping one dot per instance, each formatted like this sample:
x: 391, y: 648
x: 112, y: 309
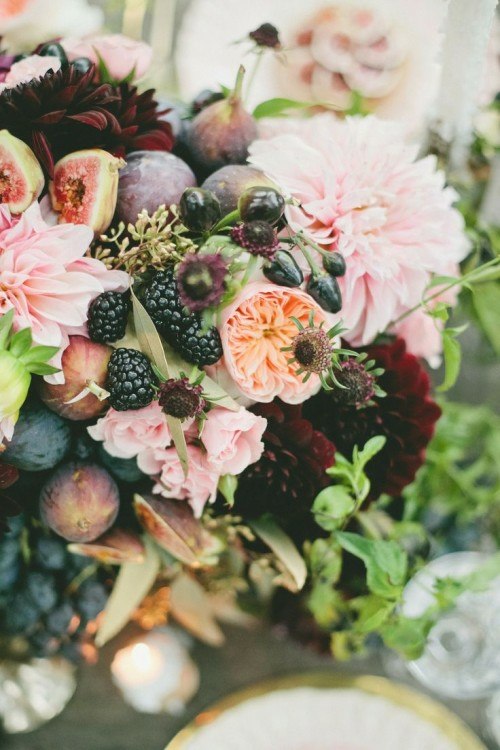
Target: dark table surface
x: 98, y: 719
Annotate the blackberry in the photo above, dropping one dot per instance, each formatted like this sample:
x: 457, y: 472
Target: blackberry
x: 107, y: 317
x: 199, y: 349
x: 130, y: 380
x: 179, y: 327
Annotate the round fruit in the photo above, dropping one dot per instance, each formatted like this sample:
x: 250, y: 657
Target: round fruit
x: 85, y: 188
x: 228, y: 183
x: 221, y: 134
x: 79, y: 502
x: 283, y: 270
x: 324, y: 289
x: 124, y: 469
x: 82, y: 361
x: 151, y: 179
x: 108, y: 316
x: 204, y: 99
x: 54, y: 49
x: 130, y: 380
x: 261, y: 204
x: 82, y: 64
x: 21, y: 176
x: 199, y: 209
x: 30, y: 449
x: 334, y: 264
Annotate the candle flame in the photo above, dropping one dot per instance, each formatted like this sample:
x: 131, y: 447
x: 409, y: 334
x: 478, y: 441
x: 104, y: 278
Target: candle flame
x: 142, y: 658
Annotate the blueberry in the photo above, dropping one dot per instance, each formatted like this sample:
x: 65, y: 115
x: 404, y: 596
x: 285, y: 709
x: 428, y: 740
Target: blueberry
x: 44, y: 644
x: 50, y: 553
x: 58, y: 621
x: 21, y: 615
x: 42, y: 588
x: 92, y: 599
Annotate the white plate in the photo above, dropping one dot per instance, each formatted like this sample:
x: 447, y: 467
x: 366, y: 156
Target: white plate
x: 324, y: 712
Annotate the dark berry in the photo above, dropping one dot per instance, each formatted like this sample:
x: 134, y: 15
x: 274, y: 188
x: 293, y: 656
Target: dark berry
x: 44, y: 644
x: 107, y: 317
x: 204, y: 99
x: 199, y: 209
x: 283, y: 270
x: 197, y: 348
x: 324, y: 289
x: 82, y: 64
x: 130, y: 380
x: 261, y: 204
x: 50, y: 553
x: 59, y: 620
x: 21, y: 615
x: 54, y: 49
x: 334, y: 264
x: 42, y: 588
x: 92, y: 598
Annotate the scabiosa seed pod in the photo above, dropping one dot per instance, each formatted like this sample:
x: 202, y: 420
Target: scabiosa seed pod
x: 181, y: 399
x: 358, y: 384
x: 258, y: 237
x: 312, y: 350
x: 201, y: 281
x: 266, y: 35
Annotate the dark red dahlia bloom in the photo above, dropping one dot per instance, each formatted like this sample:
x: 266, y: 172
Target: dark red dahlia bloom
x: 8, y: 506
x: 66, y: 111
x: 406, y: 417
x: 290, y: 472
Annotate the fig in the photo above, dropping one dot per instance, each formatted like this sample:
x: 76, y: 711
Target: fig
x: 79, y: 502
x: 151, y: 179
x: 222, y: 132
x: 29, y: 449
x: 21, y: 176
x: 173, y: 526
x: 83, y: 362
x: 114, y: 548
x: 228, y: 183
x: 85, y: 188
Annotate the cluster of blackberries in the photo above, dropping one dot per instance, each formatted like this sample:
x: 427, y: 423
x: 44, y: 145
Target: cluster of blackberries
x: 40, y: 597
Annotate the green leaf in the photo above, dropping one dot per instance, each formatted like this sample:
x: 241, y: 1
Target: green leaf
x: 452, y: 353
x: 407, y: 635
x: 152, y: 347
x: 386, y: 563
x: 369, y: 451
x: 131, y: 586
x: 443, y: 281
x: 332, y: 506
x: 372, y: 612
x: 192, y: 608
x: 43, y: 369
x: 5, y: 327
x: 284, y: 549
x: 227, y: 486
x: 486, y: 303
x: 276, y: 107
x: 38, y: 354
x: 20, y: 342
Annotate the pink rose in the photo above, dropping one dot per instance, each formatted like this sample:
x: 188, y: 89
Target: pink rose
x: 34, y: 66
x: 255, y: 329
x: 198, y: 488
x: 127, y: 433
x: 120, y: 54
x: 233, y: 439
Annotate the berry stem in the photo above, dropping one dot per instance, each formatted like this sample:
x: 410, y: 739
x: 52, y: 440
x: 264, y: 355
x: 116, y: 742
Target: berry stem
x: 230, y: 218
x: 315, y: 269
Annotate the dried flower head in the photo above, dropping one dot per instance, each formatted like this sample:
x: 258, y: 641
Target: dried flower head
x: 266, y: 35
x: 181, y: 399
x: 201, y: 281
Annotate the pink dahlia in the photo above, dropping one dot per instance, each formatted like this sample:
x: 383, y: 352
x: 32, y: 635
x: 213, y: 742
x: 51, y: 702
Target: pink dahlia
x: 363, y: 192
x: 126, y: 433
x: 46, y: 279
x: 198, y: 488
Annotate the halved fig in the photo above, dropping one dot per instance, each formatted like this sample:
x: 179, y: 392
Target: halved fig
x: 21, y: 176
x: 85, y: 188
x: 114, y: 548
x: 173, y: 526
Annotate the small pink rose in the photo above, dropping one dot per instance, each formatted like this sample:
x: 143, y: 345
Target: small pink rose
x: 120, y: 53
x: 127, y: 433
x: 233, y: 439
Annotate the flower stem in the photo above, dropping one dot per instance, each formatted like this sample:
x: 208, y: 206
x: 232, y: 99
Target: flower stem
x: 238, y: 86
x: 315, y: 269
x: 253, y: 74
x: 230, y: 218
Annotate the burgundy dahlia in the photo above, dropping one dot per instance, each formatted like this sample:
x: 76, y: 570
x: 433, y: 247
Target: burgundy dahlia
x: 66, y: 111
x: 201, y: 281
x: 406, y: 416
x: 290, y: 472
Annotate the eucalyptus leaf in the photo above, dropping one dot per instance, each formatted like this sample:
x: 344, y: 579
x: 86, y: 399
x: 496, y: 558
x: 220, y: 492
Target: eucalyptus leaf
x: 283, y: 547
x: 192, y: 608
x: 131, y: 586
x: 227, y: 486
x: 486, y: 303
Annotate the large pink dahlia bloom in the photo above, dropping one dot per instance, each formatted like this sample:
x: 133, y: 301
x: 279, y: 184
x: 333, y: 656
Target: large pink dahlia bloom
x: 46, y: 279
x: 363, y: 192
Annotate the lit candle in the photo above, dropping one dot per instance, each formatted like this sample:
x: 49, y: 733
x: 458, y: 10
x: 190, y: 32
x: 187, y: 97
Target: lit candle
x: 467, y: 31
x: 155, y: 674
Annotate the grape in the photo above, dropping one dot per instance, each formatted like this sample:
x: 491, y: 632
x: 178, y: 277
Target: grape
x: 150, y: 179
x: 50, y: 553
x: 42, y: 588
x: 59, y: 619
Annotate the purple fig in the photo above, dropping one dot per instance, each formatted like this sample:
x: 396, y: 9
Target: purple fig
x: 173, y: 526
x: 83, y: 362
x: 222, y: 132
x: 114, y: 548
x: 228, y: 183
x: 79, y: 502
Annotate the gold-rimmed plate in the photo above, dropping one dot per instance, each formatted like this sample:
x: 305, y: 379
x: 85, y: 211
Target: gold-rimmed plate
x: 320, y: 711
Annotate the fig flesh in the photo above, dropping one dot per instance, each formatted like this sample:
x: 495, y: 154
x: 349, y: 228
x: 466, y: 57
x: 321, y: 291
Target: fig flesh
x: 21, y: 176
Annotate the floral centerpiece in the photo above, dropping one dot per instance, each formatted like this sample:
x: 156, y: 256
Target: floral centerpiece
x: 214, y: 336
